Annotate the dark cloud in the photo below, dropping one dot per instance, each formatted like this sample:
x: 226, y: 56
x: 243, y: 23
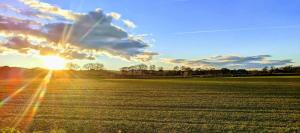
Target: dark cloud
x: 71, y: 54
x: 96, y: 31
x: 11, y: 26
x: 19, y: 44
x: 22, y: 45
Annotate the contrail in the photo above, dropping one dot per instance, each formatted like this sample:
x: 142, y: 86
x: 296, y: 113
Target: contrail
x: 239, y: 29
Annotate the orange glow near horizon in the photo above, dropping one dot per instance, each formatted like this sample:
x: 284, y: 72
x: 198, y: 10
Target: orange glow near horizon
x: 54, y: 62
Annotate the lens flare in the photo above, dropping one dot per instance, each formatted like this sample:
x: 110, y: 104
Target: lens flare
x: 11, y: 96
x: 54, y: 62
x: 34, y: 103
x: 7, y: 99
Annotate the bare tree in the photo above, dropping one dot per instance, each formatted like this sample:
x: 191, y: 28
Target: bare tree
x: 124, y: 69
x: 160, y: 69
x: 93, y: 66
x: 225, y: 71
x: 272, y: 69
x: 176, y: 68
x: 152, y: 67
x: 142, y: 67
x: 72, y: 66
x: 265, y: 69
x: 184, y: 68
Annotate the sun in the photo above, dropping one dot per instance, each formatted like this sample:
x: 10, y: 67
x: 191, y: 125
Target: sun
x: 54, y: 62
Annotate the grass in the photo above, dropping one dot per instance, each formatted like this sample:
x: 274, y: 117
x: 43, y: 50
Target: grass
x: 254, y: 104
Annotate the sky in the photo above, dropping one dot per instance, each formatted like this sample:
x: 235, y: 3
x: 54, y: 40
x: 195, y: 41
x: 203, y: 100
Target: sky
x: 197, y: 33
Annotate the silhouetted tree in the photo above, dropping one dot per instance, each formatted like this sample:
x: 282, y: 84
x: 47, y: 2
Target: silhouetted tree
x: 242, y: 71
x: 272, y: 70
x: 93, y: 66
x: 152, y: 67
x: 288, y: 69
x: 225, y: 71
x: 124, y: 68
x: 161, y: 69
x: 297, y: 69
x: 182, y: 68
x: 141, y: 67
x: 72, y: 66
x: 265, y: 69
x: 176, y: 68
x: 185, y: 71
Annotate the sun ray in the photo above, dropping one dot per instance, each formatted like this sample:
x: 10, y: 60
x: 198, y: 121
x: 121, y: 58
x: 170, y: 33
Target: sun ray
x: 90, y: 30
x: 11, y: 96
x: 35, y: 102
x: 7, y: 99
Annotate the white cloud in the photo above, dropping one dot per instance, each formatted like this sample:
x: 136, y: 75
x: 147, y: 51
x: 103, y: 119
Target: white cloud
x: 129, y: 24
x: 115, y: 15
x: 82, y: 36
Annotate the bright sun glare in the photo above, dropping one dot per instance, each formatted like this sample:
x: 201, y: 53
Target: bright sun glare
x: 54, y: 62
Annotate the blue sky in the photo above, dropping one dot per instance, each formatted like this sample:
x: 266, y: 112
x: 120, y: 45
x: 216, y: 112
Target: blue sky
x: 199, y: 29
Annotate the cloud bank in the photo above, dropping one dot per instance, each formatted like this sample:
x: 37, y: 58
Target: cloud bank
x: 233, y: 62
x: 51, y: 30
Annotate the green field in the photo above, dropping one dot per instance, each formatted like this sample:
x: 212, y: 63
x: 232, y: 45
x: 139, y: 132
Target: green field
x: 252, y: 104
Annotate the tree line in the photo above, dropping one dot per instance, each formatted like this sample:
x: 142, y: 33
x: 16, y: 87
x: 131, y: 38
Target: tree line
x: 143, y: 69
x: 88, y: 66
x: 153, y: 70
x: 186, y: 71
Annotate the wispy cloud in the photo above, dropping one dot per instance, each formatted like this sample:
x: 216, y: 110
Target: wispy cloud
x: 246, y: 62
x: 129, y: 23
x: 238, y: 29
